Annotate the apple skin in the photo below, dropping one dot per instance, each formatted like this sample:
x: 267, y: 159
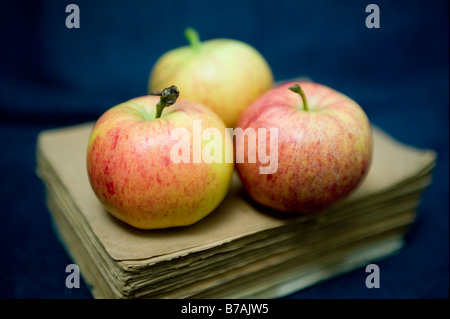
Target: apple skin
x: 223, y: 74
x: 323, y: 153
x: 131, y: 171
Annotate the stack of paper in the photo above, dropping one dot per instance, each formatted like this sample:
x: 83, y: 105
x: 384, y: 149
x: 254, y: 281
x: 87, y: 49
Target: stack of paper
x: 241, y: 250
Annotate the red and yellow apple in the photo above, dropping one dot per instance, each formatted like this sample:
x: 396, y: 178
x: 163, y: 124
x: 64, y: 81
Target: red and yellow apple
x: 223, y: 74
x: 325, y: 147
x: 131, y: 166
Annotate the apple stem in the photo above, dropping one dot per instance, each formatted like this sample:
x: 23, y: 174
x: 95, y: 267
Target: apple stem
x: 193, y: 38
x: 168, y: 97
x: 297, y: 89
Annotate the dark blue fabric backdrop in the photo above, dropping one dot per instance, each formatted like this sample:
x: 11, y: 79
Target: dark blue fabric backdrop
x: 52, y: 76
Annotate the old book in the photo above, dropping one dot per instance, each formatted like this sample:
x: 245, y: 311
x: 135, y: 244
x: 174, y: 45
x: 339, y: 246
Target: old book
x: 241, y: 250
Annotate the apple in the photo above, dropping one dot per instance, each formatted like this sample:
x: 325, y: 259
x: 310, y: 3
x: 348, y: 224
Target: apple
x: 137, y: 176
x: 223, y: 74
x: 325, y: 147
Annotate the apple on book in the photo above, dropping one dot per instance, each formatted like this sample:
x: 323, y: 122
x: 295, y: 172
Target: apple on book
x: 225, y: 75
x: 325, y: 147
x: 140, y: 161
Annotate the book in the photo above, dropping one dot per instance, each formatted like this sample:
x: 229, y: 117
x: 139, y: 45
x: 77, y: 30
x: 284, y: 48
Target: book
x: 240, y: 250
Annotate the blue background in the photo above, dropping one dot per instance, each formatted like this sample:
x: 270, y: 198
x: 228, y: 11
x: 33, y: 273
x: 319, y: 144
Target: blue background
x: 51, y: 76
